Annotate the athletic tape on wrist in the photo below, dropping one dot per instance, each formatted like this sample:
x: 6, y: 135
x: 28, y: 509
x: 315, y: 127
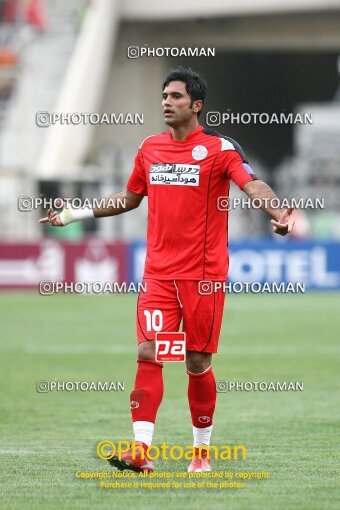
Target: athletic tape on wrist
x: 70, y: 215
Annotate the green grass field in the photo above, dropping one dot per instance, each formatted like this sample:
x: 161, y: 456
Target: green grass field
x: 46, y: 438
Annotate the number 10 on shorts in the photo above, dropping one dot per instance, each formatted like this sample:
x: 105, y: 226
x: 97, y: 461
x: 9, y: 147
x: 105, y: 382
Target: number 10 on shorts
x: 170, y: 346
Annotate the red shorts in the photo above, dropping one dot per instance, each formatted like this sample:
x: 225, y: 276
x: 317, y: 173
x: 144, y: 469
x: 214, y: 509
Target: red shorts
x: 166, y: 302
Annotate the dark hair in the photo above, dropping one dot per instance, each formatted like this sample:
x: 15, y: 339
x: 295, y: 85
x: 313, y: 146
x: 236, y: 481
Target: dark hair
x: 195, y: 85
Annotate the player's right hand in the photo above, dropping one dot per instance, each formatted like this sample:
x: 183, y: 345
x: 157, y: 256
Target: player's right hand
x: 53, y: 217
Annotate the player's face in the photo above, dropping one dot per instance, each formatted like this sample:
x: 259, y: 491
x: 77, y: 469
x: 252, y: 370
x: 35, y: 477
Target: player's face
x: 176, y: 104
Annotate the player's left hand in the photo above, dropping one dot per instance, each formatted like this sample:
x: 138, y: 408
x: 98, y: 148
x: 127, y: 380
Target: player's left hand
x: 285, y: 223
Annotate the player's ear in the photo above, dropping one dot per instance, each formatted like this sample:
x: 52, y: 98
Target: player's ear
x: 197, y: 106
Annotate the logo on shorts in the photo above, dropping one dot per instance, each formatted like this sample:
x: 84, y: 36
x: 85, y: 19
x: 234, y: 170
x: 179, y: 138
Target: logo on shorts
x: 170, y: 346
x: 199, y: 152
x: 204, y: 419
x: 134, y: 404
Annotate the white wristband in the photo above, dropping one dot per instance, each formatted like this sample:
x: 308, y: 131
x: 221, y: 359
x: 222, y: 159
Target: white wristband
x: 70, y: 215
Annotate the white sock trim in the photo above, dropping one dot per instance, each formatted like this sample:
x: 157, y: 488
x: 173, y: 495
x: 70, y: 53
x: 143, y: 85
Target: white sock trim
x: 199, y: 373
x: 202, y: 436
x: 143, y: 431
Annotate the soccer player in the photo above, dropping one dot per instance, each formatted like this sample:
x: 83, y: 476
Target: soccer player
x: 182, y: 171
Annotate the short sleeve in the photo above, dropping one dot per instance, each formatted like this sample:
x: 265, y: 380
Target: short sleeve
x: 235, y: 164
x: 137, y: 181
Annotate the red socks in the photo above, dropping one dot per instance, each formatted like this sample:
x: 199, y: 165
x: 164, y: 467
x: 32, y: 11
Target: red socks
x: 202, y: 397
x: 147, y: 393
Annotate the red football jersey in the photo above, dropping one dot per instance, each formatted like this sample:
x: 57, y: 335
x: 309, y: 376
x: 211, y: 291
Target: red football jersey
x: 187, y: 234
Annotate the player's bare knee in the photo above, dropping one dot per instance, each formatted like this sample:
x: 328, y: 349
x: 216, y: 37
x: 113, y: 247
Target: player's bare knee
x: 146, y: 350
x: 197, y: 362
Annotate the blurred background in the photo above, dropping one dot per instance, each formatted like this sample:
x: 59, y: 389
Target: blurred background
x: 71, y: 57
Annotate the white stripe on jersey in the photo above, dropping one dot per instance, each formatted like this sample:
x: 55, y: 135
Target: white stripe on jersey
x: 144, y: 140
x: 226, y: 145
